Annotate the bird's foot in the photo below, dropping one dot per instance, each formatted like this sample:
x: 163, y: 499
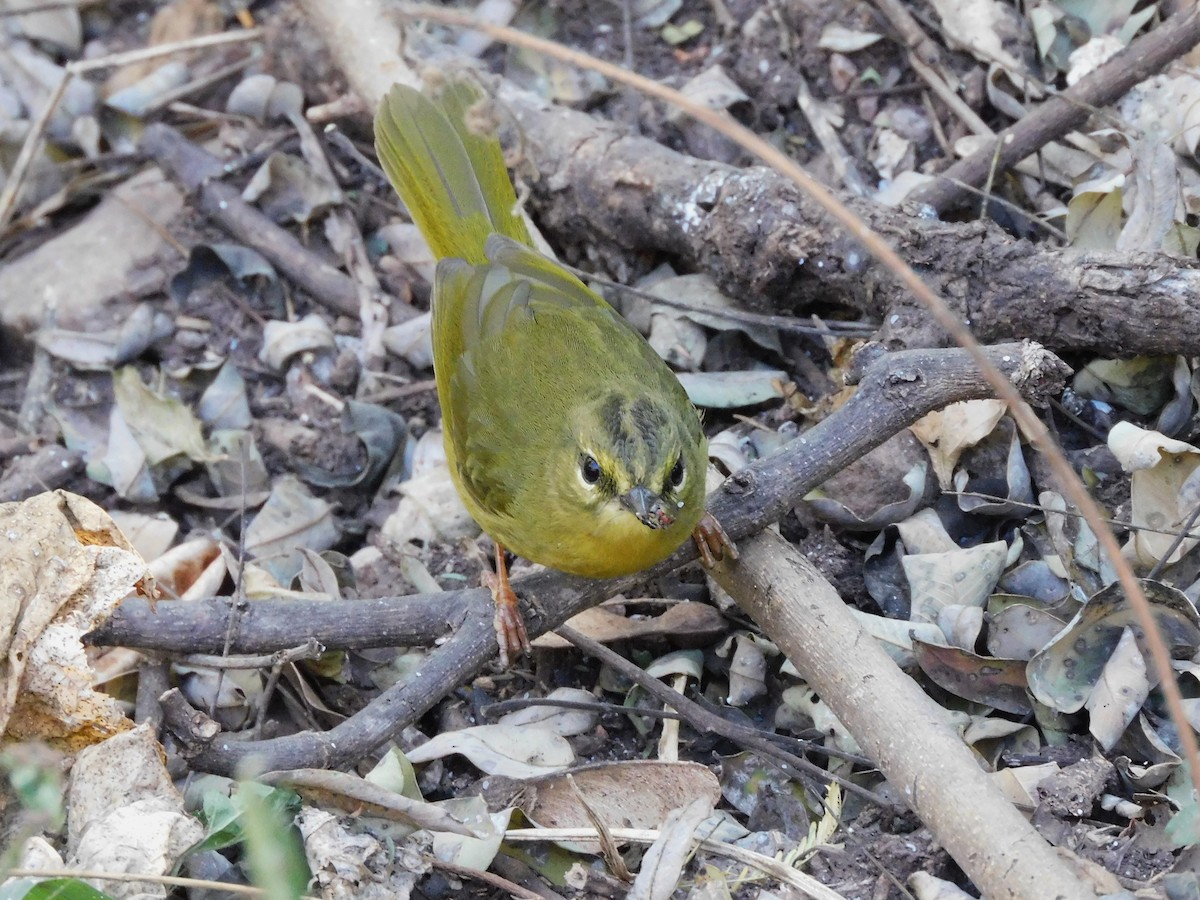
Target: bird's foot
x: 511, y: 636
x: 712, y: 542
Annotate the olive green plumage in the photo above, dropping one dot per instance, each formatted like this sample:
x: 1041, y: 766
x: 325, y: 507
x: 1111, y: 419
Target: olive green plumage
x: 569, y: 439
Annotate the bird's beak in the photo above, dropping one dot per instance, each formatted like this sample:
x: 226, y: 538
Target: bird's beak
x: 648, y: 507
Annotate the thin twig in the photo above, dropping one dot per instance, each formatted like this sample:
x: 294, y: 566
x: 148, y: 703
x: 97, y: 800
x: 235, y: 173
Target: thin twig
x: 1183, y: 535
x: 1017, y: 210
x: 922, y: 46
x: 310, y: 650
x: 781, y: 323
x: 1068, y: 109
x: 946, y: 94
x: 492, y: 880
x: 827, y: 137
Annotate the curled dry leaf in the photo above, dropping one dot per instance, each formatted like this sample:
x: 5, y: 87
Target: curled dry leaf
x: 999, y: 683
x: 1164, y: 488
x: 1094, y: 220
x: 730, y: 390
x: 947, y: 433
x: 804, y: 700
x: 992, y: 737
x: 164, y: 428
x: 101, y: 349
x: 149, y: 535
x: 67, y: 567
x: 981, y: 27
x: 264, y: 98
x: 663, y: 864
x: 283, y: 340
x: 896, y: 636
x: 177, y: 21
x: 224, y: 404
x: 846, y: 40
x: 384, y: 436
x: 512, y: 751
x: 677, y: 663
x: 291, y: 519
x: 430, y: 509
x: 1119, y: 693
x: 747, y: 671
x: 978, y: 473
x: 245, y: 268
x: 1064, y: 674
x: 929, y: 887
x: 1157, y: 204
x: 924, y: 532
x: 562, y: 721
x: 835, y: 512
x: 689, y: 624
x: 288, y: 189
x: 237, y: 472
x: 412, y: 341
x: 95, y: 261
x: 147, y: 94
x: 61, y: 26
x: 712, y: 88
x: 956, y: 577
x: 1141, y: 384
x: 1017, y: 629
x: 1019, y: 783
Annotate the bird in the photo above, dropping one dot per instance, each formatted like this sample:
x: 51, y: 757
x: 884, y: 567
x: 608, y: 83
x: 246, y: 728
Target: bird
x: 570, y: 441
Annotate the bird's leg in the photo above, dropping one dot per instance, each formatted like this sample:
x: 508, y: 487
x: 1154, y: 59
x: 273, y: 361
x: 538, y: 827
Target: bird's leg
x: 712, y: 541
x: 510, y: 627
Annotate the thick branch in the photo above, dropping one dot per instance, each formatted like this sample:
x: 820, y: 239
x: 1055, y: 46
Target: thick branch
x: 924, y: 758
x: 773, y: 249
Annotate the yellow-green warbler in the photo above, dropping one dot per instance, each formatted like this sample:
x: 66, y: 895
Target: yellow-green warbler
x: 570, y: 441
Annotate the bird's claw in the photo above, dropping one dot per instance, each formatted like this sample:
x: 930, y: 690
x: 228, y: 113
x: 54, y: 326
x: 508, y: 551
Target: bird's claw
x: 511, y: 635
x: 712, y: 542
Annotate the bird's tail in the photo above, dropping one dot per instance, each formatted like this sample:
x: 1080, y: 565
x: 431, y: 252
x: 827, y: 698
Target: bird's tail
x: 451, y: 177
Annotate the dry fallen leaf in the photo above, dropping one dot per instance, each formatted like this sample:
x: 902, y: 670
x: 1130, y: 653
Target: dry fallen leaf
x: 522, y: 751
x: 120, y: 788
x: 630, y: 794
x: 1163, y: 488
x: 66, y: 569
x: 690, y: 624
x: 948, y: 432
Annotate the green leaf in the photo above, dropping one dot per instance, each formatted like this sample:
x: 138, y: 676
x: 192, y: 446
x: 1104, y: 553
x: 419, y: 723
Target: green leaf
x: 1184, y: 828
x: 60, y: 889
x: 224, y: 816
x: 274, y: 853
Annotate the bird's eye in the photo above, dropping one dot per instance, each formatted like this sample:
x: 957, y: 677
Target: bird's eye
x: 676, y: 476
x: 589, y: 469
